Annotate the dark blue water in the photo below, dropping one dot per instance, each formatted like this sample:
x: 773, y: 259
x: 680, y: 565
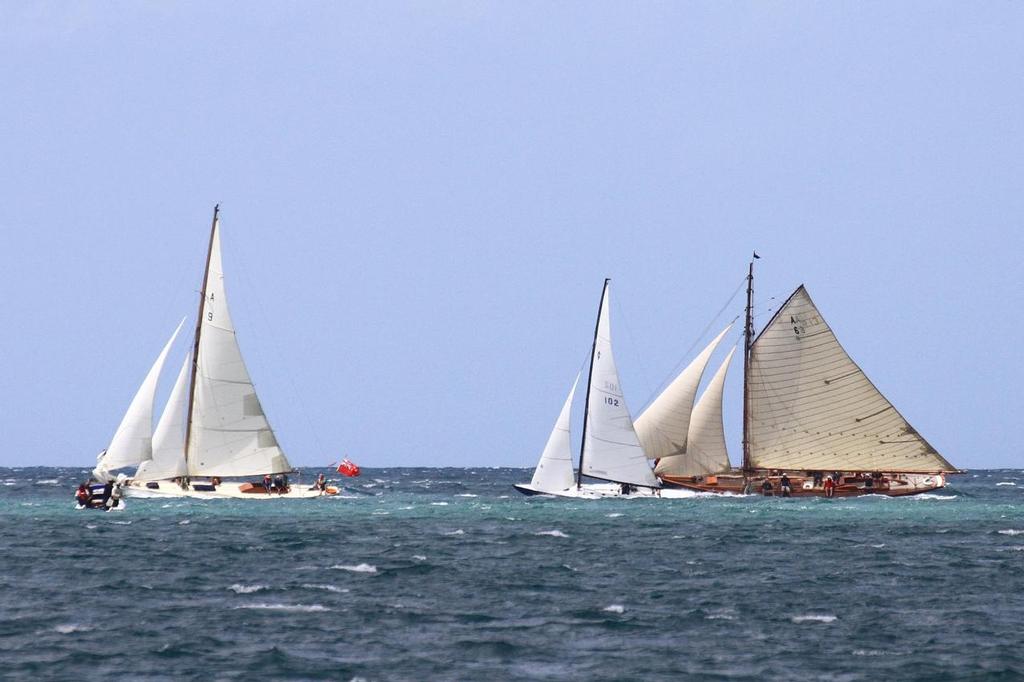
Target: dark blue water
x: 449, y: 574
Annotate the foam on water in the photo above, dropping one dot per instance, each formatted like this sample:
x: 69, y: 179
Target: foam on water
x: 1011, y: 531
x: 69, y: 628
x: 358, y: 568
x: 458, y: 531
x: 247, y: 589
x: 814, y: 618
x: 614, y: 608
x: 299, y: 608
x: 1006, y: 483
x: 326, y: 588
x: 553, y: 533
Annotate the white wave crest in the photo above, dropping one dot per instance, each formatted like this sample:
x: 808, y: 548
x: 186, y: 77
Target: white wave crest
x: 1006, y: 483
x: 184, y: 523
x: 326, y: 588
x: 814, y: 618
x: 247, y: 589
x: 438, y: 504
x: 613, y: 516
x: 48, y: 481
x: 419, y: 557
x: 553, y: 533
x: 358, y: 568
x: 456, y: 532
x: 304, y: 608
x: 1011, y: 531
x: 68, y: 628
x: 614, y: 608
x: 931, y: 496
x: 467, y: 495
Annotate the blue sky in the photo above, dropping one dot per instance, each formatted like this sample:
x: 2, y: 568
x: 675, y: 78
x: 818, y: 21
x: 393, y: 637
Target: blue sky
x: 421, y: 201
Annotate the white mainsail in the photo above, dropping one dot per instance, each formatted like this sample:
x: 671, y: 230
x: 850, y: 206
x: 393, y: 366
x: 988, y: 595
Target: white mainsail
x: 229, y: 434
x: 133, y: 441
x: 664, y: 425
x: 554, y: 470
x: 611, y: 449
x: 706, y: 451
x: 169, y: 437
x: 812, y: 408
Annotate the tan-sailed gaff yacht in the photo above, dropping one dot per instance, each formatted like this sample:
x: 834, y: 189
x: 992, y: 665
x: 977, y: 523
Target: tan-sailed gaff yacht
x: 213, y: 439
x: 809, y: 414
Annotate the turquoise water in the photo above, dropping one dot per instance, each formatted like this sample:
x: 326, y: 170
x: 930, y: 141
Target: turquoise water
x: 449, y: 574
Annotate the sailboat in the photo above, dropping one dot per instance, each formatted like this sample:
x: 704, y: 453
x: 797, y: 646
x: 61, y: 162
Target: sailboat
x: 610, y: 450
x: 812, y: 421
x: 213, y: 427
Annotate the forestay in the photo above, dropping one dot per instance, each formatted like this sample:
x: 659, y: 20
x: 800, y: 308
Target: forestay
x: 169, y: 437
x: 230, y: 435
x: 706, y: 452
x: 133, y: 441
x: 611, y: 449
x: 812, y: 408
x: 554, y: 470
x: 664, y: 425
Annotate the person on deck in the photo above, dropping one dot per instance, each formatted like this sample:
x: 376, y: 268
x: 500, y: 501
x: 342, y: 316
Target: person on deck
x: 115, y: 497
x: 279, y: 484
x: 266, y: 483
x: 108, y: 488
x: 321, y: 483
x: 818, y: 479
x: 784, y: 486
x: 830, y: 487
x: 82, y: 495
x: 767, y: 488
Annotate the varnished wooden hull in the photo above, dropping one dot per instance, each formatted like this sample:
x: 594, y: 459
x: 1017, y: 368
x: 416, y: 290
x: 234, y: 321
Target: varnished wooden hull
x: 803, y: 486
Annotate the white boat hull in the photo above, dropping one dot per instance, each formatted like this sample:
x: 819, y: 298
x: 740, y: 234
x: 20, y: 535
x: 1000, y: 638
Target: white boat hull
x: 225, y: 490
x: 596, y: 491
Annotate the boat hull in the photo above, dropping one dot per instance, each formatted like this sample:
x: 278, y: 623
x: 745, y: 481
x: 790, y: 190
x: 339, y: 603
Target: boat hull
x: 890, y: 485
x: 238, y: 490
x: 596, y: 491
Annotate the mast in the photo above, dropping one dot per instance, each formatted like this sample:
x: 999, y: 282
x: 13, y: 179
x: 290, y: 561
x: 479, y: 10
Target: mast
x: 748, y: 333
x: 590, y: 374
x: 199, y: 327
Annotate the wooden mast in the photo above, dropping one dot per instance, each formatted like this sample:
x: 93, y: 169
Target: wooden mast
x: 748, y: 333
x: 590, y: 375
x: 199, y: 327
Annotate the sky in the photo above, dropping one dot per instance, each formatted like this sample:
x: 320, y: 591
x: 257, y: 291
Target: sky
x: 421, y: 200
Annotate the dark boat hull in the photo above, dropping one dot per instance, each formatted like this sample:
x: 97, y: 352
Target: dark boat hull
x: 890, y: 485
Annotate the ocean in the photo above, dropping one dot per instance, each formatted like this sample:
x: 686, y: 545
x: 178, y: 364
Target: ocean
x: 449, y: 574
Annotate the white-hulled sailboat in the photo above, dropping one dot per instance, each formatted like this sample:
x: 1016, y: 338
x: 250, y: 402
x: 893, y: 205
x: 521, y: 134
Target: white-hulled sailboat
x: 610, y: 450
x: 810, y: 414
x: 226, y: 434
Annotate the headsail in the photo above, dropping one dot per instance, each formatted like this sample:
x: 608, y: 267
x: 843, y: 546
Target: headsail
x: 706, y: 452
x: 133, y: 441
x: 812, y: 408
x: 229, y: 435
x: 169, y: 437
x: 611, y: 449
x: 664, y: 425
x: 554, y: 470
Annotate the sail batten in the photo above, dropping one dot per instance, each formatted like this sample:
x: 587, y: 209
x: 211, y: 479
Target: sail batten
x: 813, y: 408
x: 663, y: 427
x: 133, y: 441
x: 611, y: 449
x: 229, y: 434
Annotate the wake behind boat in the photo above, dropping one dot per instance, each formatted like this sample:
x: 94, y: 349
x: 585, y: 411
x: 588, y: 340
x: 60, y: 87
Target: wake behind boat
x: 213, y: 428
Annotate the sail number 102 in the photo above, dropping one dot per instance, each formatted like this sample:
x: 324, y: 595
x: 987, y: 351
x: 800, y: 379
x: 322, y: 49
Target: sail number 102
x: 611, y: 401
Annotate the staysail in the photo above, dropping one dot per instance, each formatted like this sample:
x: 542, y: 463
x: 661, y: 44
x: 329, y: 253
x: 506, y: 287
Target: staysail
x: 706, y: 452
x: 664, y: 425
x: 133, y: 441
x: 228, y: 435
x: 169, y: 437
x: 812, y: 408
x: 611, y: 449
x: 554, y: 470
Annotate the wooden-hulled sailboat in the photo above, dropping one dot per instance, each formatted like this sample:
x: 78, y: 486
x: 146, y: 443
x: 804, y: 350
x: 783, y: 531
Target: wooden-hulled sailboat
x: 226, y: 434
x: 810, y: 414
x: 610, y: 450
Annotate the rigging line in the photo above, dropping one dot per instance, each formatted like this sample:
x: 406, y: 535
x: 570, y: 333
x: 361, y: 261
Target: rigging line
x: 675, y: 370
x: 277, y: 350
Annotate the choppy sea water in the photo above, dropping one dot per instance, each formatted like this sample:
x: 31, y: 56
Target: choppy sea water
x: 419, y: 574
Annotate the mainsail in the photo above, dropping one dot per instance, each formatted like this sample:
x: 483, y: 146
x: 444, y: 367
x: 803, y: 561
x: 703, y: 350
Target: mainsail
x: 169, y: 437
x: 706, y: 452
x: 228, y: 433
x: 611, y: 449
x: 554, y: 470
x: 812, y: 408
x: 664, y: 425
x: 133, y: 441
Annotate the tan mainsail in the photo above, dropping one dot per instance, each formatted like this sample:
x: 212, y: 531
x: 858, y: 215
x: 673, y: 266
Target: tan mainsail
x: 812, y: 408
